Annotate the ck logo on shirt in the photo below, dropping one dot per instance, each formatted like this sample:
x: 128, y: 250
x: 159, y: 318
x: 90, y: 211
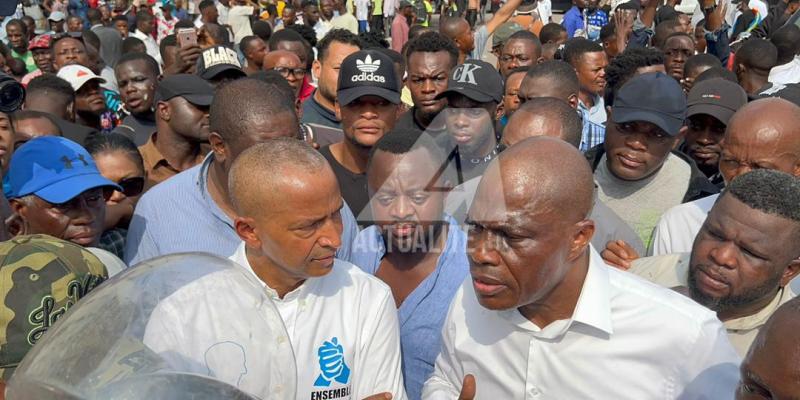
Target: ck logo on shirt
x: 465, y: 73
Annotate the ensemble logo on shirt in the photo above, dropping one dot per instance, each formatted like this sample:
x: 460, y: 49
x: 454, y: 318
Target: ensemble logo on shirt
x: 333, y: 368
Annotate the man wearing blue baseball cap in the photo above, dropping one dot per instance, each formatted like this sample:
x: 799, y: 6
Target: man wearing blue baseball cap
x: 56, y: 189
x: 638, y: 173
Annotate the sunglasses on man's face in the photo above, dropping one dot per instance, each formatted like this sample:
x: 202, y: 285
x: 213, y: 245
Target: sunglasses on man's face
x: 132, y: 186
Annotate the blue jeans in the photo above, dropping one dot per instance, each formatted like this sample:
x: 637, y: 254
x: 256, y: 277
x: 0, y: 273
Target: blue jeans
x: 362, y: 26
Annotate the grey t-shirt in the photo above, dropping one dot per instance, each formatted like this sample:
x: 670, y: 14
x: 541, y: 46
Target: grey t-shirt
x: 480, y: 37
x: 641, y: 203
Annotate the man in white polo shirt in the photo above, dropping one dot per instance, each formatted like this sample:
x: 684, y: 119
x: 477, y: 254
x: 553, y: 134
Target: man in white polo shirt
x: 342, y: 322
x: 544, y: 317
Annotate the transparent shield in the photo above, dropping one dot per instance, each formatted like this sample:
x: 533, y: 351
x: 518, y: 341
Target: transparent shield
x: 176, y: 325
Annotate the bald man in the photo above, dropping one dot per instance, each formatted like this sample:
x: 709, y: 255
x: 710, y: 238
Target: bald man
x: 772, y: 366
x: 288, y: 65
x: 776, y: 146
x: 471, y: 44
x: 288, y: 206
x: 544, y: 316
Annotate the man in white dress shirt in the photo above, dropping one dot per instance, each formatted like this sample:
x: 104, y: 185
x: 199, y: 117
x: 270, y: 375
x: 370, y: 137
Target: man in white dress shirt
x: 544, y: 318
x: 342, y: 322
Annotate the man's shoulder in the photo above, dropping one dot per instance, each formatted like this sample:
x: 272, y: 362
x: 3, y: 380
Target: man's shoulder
x: 668, y: 270
x: 658, y: 302
x: 173, y: 190
x: 697, y: 209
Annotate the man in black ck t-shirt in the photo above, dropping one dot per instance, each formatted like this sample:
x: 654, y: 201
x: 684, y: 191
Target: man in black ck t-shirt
x: 368, y: 96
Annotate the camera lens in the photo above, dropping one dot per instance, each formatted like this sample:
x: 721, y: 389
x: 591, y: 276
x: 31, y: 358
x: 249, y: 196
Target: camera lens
x: 12, y: 94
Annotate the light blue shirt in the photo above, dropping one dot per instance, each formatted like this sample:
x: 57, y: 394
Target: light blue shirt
x: 179, y: 215
x: 594, y: 124
x: 423, y: 312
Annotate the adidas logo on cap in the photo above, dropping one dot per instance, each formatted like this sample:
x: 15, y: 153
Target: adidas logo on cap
x: 368, y: 67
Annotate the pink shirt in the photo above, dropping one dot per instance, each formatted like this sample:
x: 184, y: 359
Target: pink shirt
x: 399, y: 32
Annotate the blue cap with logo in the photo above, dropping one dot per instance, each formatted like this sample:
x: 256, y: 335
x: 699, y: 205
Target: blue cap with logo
x: 55, y: 169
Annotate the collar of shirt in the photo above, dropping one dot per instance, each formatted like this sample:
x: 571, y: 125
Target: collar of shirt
x: 593, y: 307
x: 202, y: 185
x: 153, y: 159
x: 240, y: 257
x: 369, y: 249
x: 141, y: 35
x: 328, y: 114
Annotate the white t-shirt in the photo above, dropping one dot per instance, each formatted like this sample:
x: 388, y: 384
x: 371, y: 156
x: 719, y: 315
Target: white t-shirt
x: 678, y: 226
x: 345, y: 321
x: 362, y: 9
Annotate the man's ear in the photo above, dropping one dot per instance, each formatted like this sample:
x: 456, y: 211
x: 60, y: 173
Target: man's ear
x: 163, y: 111
x: 246, y: 229
x: 539, y: 60
x: 573, y: 100
x: 791, y: 271
x: 218, y: 146
x: 298, y: 108
x: 499, y: 111
x: 584, y: 230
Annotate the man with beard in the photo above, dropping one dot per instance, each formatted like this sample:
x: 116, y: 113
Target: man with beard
x: 90, y: 105
x: 179, y: 143
x: 17, y: 35
x: 332, y: 49
x: 431, y: 57
x: 744, y: 256
x: 415, y: 248
x: 42, y: 56
x: 367, y: 102
x: 137, y: 77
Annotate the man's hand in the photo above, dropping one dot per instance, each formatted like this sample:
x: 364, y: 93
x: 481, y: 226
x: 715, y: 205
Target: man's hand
x: 619, y: 254
x: 186, y: 61
x: 623, y: 24
x: 467, y: 388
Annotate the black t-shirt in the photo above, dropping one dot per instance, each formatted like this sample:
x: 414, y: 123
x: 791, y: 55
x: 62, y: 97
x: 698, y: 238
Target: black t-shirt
x: 353, y: 186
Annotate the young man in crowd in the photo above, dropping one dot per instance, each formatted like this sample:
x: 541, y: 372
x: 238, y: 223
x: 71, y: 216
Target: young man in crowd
x: 474, y: 92
x: 753, y: 62
x: 414, y: 247
x: 137, y: 77
x: 510, y: 104
x: 145, y: 22
x: 638, y: 175
x: 243, y: 113
x: 584, y: 20
x: 678, y: 47
x: 42, y: 56
x: 590, y: 62
x: 744, y: 256
x: 331, y: 51
x: 90, y: 105
x: 254, y: 50
x: 55, y: 96
x: 400, y: 25
x: 472, y: 44
x: 367, y: 100
x: 290, y: 246
x: 17, y: 35
x: 711, y: 104
x: 430, y: 58
x: 522, y: 49
x: 219, y: 65
x: 179, y: 142
x: 552, y: 310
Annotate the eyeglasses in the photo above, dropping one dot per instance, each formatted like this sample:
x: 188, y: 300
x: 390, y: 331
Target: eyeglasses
x: 132, y: 186
x: 297, y: 72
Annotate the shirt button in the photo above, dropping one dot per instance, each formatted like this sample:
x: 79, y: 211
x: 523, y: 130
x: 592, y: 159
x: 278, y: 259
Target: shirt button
x: 278, y: 389
x: 534, y: 392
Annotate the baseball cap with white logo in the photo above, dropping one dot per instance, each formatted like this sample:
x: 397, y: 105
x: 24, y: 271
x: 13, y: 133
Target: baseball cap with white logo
x: 477, y: 80
x: 78, y: 75
x: 367, y: 73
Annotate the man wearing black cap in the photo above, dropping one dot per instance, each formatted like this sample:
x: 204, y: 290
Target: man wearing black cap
x: 473, y: 93
x: 711, y: 104
x: 368, y: 96
x: 182, y: 103
x: 219, y: 64
x: 637, y: 174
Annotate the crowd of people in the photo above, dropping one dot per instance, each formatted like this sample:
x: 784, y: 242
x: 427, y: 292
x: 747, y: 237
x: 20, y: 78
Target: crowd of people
x: 439, y: 203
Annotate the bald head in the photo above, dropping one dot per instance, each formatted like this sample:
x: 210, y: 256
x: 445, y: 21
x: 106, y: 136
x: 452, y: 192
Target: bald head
x: 453, y: 27
x: 772, y: 364
x: 281, y: 58
x: 536, y: 174
x: 262, y: 175
x: 543, y: 116
x: 763, y: 134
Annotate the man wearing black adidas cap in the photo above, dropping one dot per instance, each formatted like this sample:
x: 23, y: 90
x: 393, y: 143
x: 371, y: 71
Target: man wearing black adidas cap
x: 367, y: 100
x: 179, y: 143
x: 473, y: 93
x: 638, y: 174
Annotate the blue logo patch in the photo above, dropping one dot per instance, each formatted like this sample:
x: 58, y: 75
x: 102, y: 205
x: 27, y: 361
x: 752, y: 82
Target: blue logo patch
x: 331, y: 364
